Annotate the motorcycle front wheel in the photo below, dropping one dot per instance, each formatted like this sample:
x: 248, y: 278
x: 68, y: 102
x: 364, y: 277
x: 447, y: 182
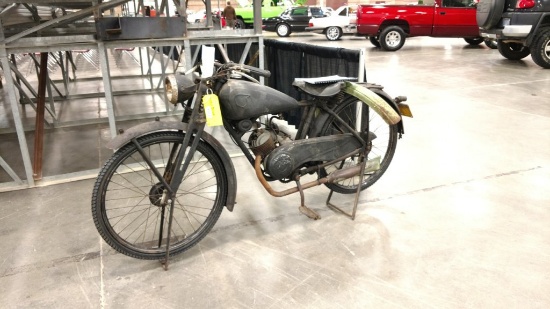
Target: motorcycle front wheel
x: 129, y: 204
x: 382, y: 148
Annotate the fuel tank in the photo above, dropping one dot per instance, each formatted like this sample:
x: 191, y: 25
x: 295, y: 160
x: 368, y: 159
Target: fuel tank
x: 243, y: 100
x: 284, y: 160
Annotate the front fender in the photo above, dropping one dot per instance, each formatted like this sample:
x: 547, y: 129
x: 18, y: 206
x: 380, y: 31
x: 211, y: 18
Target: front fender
x: 153, y: 126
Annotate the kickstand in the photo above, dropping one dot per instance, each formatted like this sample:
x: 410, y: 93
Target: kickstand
x: 356, y: 201
x: 303, y: 208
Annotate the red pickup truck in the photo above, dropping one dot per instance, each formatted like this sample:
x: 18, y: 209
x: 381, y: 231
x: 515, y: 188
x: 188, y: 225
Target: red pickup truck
x: 387, y: 26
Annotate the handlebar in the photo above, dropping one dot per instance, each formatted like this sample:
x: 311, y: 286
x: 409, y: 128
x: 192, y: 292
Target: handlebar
x: 255, y: 70
x: 182, y: 87
x: 245, y: 68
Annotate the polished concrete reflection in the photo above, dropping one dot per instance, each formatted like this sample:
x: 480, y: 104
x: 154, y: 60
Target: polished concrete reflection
x: 460, y: 219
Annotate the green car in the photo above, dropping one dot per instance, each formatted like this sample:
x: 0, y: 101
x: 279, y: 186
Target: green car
x: 245, y: 13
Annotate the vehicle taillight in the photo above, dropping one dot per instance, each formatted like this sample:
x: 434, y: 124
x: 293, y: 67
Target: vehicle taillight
x: 310, y: 25
x: 525, y: 4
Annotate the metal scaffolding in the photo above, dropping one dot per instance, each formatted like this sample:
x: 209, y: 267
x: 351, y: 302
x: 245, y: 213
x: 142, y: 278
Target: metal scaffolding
x: 81, y: 26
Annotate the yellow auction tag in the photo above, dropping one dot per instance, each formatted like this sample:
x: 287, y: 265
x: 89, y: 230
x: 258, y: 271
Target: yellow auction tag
x: 212, y: 110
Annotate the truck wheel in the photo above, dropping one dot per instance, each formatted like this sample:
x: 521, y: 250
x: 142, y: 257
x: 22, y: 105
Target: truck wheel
x: 488, y: 13
x: 333, y: 33
x: 491, y: 43
x: 513, y: 51
x: 239, y: 24
x: 374, y: 41
x: 541, y: 48
x: 474, y: 41
x: 282, y: 30
x: 392, y: 38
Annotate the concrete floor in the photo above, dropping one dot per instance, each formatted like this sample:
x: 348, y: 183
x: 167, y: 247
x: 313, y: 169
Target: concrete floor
x: 460, y: 219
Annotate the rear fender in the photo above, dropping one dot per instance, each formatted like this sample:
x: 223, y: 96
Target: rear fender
x: 543, y: 22
x: 153, y: 126
x: 376, y: 97
x: 395, y: 22
x: 379, y: 105
x: 379, y: 90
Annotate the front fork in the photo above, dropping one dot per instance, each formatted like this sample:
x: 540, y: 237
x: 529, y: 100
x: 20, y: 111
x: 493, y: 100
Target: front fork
x: 178, y: 162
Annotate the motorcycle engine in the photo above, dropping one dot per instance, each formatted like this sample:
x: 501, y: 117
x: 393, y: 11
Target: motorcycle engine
x: 264, y: 140
x: 282, y: 156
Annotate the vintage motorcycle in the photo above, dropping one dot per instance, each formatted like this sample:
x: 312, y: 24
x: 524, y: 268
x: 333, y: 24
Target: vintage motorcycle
x: 165, y: 187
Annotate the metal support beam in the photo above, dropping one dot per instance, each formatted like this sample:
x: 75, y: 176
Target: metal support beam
x: 49, y: 41
x: 104, y: 64
x: 10, y: 172
x: 66, y: 19
x: 258, y: 16
x: 39, y: 119
x: 188, y: 56
x: 261, y: 60
x: 245, y: 51
x: 16, y: 116
x: 23, y: 94
x: 362, y: 74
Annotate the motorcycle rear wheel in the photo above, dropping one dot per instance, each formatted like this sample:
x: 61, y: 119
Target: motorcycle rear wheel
x: 382, y: 146
x: 126, y: 205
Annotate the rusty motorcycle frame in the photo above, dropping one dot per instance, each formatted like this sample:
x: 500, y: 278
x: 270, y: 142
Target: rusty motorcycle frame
x: 165, y: 187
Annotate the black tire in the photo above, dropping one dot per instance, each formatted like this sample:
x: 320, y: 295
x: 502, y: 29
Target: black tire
x: 239, y: 24
x: 382, y: 146
x: 474, y: 41
x: 374, y: 41
x: 283, y: 30
x: 491, y: 43
x: 513, y: 51
x: 488, y: 13
x: 333, y: 33
x: 540, y: 48
x: 125, y: 200
x: 392, y: 38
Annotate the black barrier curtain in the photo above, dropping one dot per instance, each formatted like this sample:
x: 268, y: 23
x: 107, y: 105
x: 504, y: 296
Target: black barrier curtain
x: 287, y: 61
x: 234, y: 53
x: 284, y: 65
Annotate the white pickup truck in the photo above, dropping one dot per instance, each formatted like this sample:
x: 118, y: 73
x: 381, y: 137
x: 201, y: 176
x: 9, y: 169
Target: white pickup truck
x: 341, y: 21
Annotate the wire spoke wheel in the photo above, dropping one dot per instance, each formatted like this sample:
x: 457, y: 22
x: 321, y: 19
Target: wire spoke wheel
x: 131, y: 206
x: 382, y: 148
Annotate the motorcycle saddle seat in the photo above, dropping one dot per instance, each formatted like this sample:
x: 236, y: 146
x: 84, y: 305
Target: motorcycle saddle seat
x: 319, y: 90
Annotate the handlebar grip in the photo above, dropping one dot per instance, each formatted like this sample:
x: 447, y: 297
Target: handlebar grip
x: 255, y: 70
